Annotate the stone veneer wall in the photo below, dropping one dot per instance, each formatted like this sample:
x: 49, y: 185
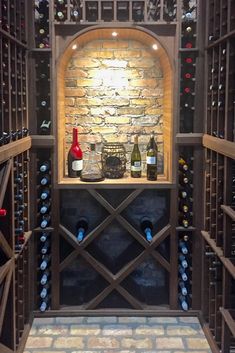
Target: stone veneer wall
x: 114, y: 90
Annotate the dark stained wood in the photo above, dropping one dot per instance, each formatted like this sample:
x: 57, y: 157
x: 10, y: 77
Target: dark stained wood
x: 189, y: 139
x: 42, y: 141
x: 5, y: 180
x: 227, y: 262
x: 229, y: 320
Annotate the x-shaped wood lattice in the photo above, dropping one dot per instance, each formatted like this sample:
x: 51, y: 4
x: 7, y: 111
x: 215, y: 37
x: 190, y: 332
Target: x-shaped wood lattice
x: 115, y: 280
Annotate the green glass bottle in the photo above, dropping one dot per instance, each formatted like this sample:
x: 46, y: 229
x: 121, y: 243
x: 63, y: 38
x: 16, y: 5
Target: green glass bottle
x: 136, y: 160
x: 152, y: 159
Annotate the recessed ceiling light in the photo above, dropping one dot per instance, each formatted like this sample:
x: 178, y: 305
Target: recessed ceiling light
x: 74, y: 46
x: 155, y: 47
x: 114, y: 34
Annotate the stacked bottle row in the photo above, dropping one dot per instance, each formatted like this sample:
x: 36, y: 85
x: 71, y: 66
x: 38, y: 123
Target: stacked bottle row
x: 43, y: 99
x: 184, y: 270
x: 44, y: 204
x: 22, y: 303
x: 12, y: 14
x: 221, y: 102
x: 214, y: 196
x: 187, y: 92
x: 44, y: 271
x: 189, y: 24
x: 44, y: 234
x: 213, y: 271
x: 185, y: 218
x: 13, y: 115
x: 221, y: 19
x: 100, y: 10
x: 21, y: 171
x: 42, y: 30
x: 188, y: 66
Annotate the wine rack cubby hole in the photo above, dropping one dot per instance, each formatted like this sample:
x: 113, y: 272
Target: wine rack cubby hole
x: 128, y: 272
x: 135, y: 85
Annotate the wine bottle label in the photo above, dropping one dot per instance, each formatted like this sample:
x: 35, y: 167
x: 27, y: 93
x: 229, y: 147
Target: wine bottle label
x: 77, y: 165
x: 136, y: 167
x: 151, y: 160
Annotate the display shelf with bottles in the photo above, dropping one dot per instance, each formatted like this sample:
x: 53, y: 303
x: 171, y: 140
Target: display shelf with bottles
x: 86, y: 12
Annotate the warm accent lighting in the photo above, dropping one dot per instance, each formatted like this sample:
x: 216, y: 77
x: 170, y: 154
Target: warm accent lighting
x: 74, y: 46
x: 114, y: 34
x: 155, y: 47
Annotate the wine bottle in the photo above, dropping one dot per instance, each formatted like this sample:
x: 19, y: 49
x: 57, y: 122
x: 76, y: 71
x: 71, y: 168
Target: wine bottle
x: 45, y: 247
x: 82, y: 226
x: 44, y: 304
x: 183, y: 247
x: 45, y: 262
x: 183, y: 261
x: 183, y: 165
x: 45, y: 221
x: 45, y: 127
x: 45, y: 291
x: 136, y: 160
x: 183, y: 178
x: 45, y: 180
x: 184, y: 220
x: 45, y: 194
x: 183, y: 302
x: 45, y: 207
x: 147, y: 227
x: 3, y: 212
x: 44, y: 236
x: 152, y: 159
x: 44, y: 167
x: 75, y: 161
x: 183, y: 289
x: 182, y: 273
x: 45, y: 277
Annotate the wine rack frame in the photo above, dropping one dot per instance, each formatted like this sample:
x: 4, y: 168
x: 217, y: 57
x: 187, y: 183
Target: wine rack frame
x: 15, y: 275
x: 62, y: 33
x: 223, y: 327
x: 219, y: 155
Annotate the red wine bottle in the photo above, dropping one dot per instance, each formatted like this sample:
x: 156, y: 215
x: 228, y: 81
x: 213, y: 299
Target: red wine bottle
x: 3, y: 212
x: 75, y: 162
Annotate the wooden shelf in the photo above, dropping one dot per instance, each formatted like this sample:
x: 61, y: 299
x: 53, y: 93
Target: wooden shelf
x: 14, y: 148
x: 189, y: 139
x: 41, y: 141
x: 228, y: 319
x: 125, y: 182
x: 227, y: 148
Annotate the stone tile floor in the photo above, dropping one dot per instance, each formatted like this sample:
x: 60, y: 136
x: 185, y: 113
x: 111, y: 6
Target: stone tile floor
x: 116, y: 334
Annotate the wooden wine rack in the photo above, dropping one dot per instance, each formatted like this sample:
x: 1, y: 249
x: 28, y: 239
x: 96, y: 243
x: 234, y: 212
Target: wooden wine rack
x: 218, y: 305
x: 115, y: 202
x: 15, y: 297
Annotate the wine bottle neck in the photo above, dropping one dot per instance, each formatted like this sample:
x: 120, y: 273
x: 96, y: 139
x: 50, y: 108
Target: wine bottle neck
x: 75, y: 137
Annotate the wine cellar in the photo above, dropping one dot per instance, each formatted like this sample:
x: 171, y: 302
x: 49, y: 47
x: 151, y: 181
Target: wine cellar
x: 117, y: 172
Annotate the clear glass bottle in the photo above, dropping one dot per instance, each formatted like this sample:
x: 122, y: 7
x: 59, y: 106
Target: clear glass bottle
x: 92, y: 171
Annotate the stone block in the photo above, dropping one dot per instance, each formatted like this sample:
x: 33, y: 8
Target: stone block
x: 102, y: 342
x: 147, y: 330
x: 75, y: 92
x: 197, y: 343
x: 87, y: 330
x: 169, y: 343
x: 38, y: 342
x: 137, y: 343
x: 68, y: 342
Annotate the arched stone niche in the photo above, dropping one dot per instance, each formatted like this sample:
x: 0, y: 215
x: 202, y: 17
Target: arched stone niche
x: 112, y: 88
